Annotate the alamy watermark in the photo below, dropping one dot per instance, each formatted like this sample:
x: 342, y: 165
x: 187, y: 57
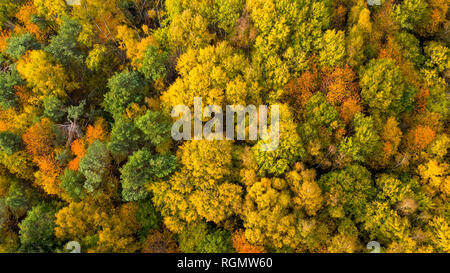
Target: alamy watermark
x: 374, y: 246
x: 74, y: 247
x: 374, y: 2
x: 257, y: 123
x: 73, y: 2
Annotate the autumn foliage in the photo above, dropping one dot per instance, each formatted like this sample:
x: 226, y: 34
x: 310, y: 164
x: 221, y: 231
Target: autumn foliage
x: 86, y: 147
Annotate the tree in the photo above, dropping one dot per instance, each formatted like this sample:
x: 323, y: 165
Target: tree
x: 73, y: 184
x: 124, y: 88
x: 153, y: 65
x: 54, y: 108
x: 395, y: 227
x: 391, y: 136
x: 290, y: 30
x: 160, y: 242
x: 419, y: 138
x: 135, y: 45
x: 8, y: 80
x: 289, y: 151
x: 94, y: 165
x: 433, y: 174
x: 438, y: 56
x: 74, y: 113
x: 440, y: 229
x: 148, y: 218
x: 299, y: 91
x: 360, y: 29
x: 7, y: 9
x: 155, y: 127
x: 307, y: 192
x: 63, y: 46
x: 36, y: 230
x: 333, y: 52
x: 218, y: 241
x: 268, y: 215
x: 364, y: 143
x: 241, y: 245
x: 39, y: 139
x: 10, y: 143
x: 233, y: 81
x: 78, y: 148
x: 411, y: 13
x: 245, y: 31
x: 125, y: 139
x: 188, y: 30
x: 35, y: 25
x: 19, y: 164
x: 199, y: 238
x: 384, y: 89
x: 102, y: 59
x: 410, y: 47
x: 18, y: 45
x: 19, y: 197
x: 200, y: 189
x: 44, y: 75
x: 101, y: 227
x: 97, y: 131
x: 142, y: 168
x: 51, y: 11
x: 350, y: 190
x: 320, y: 113
x: 341, y: 89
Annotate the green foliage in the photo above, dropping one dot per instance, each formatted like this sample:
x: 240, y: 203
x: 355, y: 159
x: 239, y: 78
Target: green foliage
x: 281, y: 159
x: 148, y: 218
x: 20, y: 197
x: 63, y: 46
x: 94, y: 165
x: 384, y: 89
x: 36, y: 230
x: 364, y: 143
x: 226, y: 13
x: 54, y: 108
x: 101, y: 59
x: 190, y: 238
x: 86, y: 93
x: 153, y: 65
x: 410, y: 47
x: 73, y: 184
x: 10, y: 143
x: 288, y: 33
x: 75, y: 112
x: 155, y: 126
x: 351, y: 188
x: 125, y: 139
x: 124, y: 88
x: 143, y: 167
x: 18, y: 45
x: 411, y: 13
x: 218, y: 241
x: 8, y: 80
x: 199, y: 238
x: 322, y: 113
x: 7, y: 10
x: 188, y: 30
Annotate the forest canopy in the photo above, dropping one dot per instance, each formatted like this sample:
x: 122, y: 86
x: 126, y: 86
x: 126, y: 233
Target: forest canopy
x: 86, y: 153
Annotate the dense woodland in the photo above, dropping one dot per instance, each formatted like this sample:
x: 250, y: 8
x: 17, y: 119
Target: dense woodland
x: 86, y: 154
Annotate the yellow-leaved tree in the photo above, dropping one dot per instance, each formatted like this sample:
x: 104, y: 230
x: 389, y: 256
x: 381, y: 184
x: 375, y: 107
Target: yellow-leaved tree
x: 201, y: 189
